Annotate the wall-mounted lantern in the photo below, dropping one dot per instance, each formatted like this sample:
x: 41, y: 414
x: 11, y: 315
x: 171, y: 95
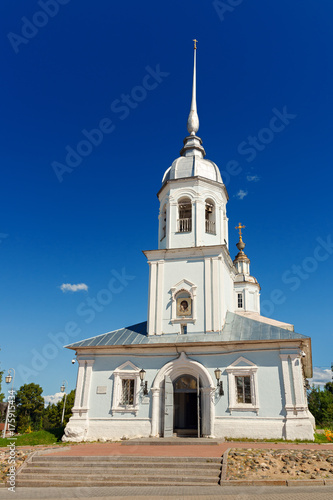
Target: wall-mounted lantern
x: 144, y: 385
x: 219, y: 382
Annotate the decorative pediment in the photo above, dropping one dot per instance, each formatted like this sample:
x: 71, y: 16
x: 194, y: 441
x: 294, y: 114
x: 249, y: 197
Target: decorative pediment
x: 241, y: 361
x: 128, y: 366
x: 183, y: 285
x: 242, y: 364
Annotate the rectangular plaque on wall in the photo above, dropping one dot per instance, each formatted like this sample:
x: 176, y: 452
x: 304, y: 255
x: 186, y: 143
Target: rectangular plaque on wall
x: 101, y: 389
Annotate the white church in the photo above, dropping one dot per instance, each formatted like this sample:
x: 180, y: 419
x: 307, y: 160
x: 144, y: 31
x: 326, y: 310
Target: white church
x: 205, y: 363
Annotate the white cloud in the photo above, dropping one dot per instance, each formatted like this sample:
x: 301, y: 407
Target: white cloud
x: 67, y: 287
x: 253, y: 178
x: 241, y: 194
x: 320, y: 376
x: 53, y: 398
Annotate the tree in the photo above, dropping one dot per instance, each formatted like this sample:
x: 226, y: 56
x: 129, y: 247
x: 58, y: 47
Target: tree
x: 321, y: 405
x: 29, y: 407
x: 53, y: 412
x: 2, y: 396
x: 329, y: 387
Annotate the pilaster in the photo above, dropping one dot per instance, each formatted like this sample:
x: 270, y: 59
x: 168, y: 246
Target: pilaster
x: 152, y: 298
x: 208, y: 295
x: 216, y: 294
x: 159, y: 297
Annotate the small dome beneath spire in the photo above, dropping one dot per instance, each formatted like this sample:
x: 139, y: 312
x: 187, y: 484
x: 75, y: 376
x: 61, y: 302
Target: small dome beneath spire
x: 192, y: 166
x: 240, y: 245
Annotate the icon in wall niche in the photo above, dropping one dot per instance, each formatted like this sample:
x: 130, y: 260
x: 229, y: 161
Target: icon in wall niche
x: 184, y: 306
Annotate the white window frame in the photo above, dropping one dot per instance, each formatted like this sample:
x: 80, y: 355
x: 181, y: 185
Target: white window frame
x: 247, y: 370
x: 126, y: 371
x: 237, y: 292
x: 191, y: 289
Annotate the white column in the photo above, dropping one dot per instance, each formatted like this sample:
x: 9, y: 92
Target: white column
x: 199, y: 223
x: 286, y: 382
x: 220, y: 224
x: 79, y: 383
x: 159, y: 228
x: 152, y: 298
x: 167, y: 227
x: 298, y: 381
x: 216, y: 295
x: 208, y: 412
x: 172, y: 224
x: 87, y: 382
x: 226, y: 232
x: 155, y: 412
x: 208, y: 296
x: 159, y: 297
x: 194, y: 295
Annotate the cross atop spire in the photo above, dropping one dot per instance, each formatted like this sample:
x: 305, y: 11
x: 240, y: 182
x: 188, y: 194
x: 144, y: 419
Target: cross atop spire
x: 193, y: 119
x: 240, y: 245
x: 240, y: 227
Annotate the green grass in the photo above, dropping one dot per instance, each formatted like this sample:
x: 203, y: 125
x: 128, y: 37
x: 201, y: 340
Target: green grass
x: 321, y: 438
x: 52, y: 436
x: 318, y: 439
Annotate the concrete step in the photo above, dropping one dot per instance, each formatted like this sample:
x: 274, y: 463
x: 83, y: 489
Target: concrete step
x: 124, y: 458
x: 126, y: 465
x: 33, y: 471
x: 129, y: 478
x: 44, y: 471
x: 69, y: 484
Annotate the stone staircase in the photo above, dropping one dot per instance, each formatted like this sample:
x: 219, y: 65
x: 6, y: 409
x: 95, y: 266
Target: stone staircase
x: 67, y: 471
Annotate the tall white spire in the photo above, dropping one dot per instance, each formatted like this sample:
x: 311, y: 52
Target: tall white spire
x: 193, y: 119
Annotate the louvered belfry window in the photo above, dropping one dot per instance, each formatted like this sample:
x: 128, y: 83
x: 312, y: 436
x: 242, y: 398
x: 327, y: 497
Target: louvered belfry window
x: 127, y: 395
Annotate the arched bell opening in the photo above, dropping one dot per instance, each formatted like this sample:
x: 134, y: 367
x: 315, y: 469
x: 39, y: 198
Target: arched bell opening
x: 210, y: 223
x: 184, y: 215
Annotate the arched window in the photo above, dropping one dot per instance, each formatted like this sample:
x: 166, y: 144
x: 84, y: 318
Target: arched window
x: 163, y: 223
x: 184, y: 215
x: 210, y: 217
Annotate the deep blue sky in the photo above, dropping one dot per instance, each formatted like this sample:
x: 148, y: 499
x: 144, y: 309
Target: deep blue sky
x: 261, y: 56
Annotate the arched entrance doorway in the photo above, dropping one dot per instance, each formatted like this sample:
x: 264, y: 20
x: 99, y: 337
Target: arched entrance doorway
x: 186, y: 406
x: 163, y: 398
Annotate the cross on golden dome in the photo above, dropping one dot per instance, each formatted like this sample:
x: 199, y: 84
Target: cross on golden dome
x: 195, y: 43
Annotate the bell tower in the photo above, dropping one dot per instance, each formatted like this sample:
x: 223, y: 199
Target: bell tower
x: 191, y: 278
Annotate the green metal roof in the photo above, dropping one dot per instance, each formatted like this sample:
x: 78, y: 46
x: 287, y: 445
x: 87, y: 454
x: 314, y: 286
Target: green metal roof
x: 236, y: 328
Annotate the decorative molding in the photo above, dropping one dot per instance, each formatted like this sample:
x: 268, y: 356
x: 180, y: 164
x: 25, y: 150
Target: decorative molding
x: 125, y: 371
x: 249, y: 370
x: 184, y: 286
